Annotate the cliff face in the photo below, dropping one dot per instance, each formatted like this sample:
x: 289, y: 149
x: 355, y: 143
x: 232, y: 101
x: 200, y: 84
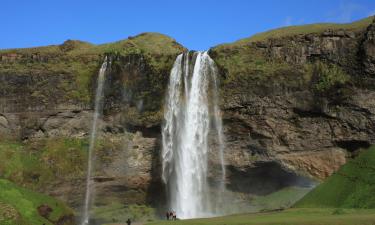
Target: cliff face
x: 305, y: 101
x: 46, y: 110
x: 296, y: 103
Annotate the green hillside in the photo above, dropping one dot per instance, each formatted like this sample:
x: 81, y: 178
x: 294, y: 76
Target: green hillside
x: 20, y: 206
x: 307, y: 29
x: 353, y: 186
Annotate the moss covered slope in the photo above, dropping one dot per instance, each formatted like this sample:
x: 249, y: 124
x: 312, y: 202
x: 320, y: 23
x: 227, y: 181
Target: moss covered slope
x: 353, y: 186
x: 24, y: 207
x: 73, y: 65
x: 41, y: 163
x: 305, y: 29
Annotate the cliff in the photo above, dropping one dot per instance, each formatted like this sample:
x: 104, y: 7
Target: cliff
x: 301, y: 96
x: 297, y: 102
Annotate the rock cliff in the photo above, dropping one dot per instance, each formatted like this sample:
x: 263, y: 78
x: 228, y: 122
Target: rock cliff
x: 303, y: 100
x: 296, y: 103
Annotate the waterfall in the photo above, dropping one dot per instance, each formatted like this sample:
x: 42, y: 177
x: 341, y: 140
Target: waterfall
x: 97, y: 112
x: 190, y: 111
x: 219, y: 128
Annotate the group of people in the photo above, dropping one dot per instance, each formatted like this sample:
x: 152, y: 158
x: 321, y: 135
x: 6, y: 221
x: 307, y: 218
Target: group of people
x: 171, y: 215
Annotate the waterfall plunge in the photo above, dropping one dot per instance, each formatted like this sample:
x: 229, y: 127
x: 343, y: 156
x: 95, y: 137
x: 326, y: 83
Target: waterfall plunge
x: 98, y: 109
x: 191, y: 109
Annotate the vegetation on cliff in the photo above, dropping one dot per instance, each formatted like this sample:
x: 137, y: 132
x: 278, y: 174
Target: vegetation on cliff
x: 307, y: 29
x: 350, y: 187
x: 326, y: 76
x: 116, y: 212
x: 276, y: 56
x: 78, y: 62
x: 43, y: 162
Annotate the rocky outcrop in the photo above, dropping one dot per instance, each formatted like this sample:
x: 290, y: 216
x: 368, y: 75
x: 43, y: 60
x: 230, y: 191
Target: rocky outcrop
x: 282, y: 115
x: 48, y: 95
x: 369, y: 50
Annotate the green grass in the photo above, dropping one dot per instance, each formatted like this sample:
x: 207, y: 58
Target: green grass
x: 307, y: 29
x: 281, y: 199
x: 288, y: 217
x: 19, y: 206
x: 43, y: 162
x: 240, y: 61
x: 327, y: 76
x: 352, y: 186
x: 117, y: 212
x: 151, y: 42
x: 79, y: 63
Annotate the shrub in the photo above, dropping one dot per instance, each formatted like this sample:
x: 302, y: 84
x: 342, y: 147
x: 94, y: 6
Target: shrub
x: 328, y: 76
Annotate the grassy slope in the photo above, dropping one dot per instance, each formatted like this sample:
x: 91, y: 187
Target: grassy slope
x: 152, y: 43
x: 39, y: 163
x: 307, y: 29
x: 353, y: 186
x: 281, y: 199
x: 117, y: 212
x: 19, y: 206
x: 242, y: 62
x: 288, y: 217
x: 81, y: 60
x: 43, y: 162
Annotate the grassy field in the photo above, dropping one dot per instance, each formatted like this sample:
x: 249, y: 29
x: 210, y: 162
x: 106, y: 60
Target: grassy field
x: 288, y: 217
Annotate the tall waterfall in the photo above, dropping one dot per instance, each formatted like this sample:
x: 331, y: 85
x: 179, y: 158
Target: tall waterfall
x: 97, y: 112
x: 192, y: 115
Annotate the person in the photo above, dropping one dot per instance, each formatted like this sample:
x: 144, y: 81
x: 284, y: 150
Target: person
x: 129, y: 222
x: 174, y: 215
x: 167, y: 215
x: 171, y: 215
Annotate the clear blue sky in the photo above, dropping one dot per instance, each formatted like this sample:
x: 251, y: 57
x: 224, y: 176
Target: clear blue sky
x: 197, y: 24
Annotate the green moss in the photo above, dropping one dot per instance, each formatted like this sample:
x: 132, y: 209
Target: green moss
x: 327, y: 76
x: 148, y: 43
x: 77, y: 63
x: 306, y: 29
x: 117, y: 212
x: 247, y: 70
x: 281, y: 199
x: 21, y: 206
x: 9, y: 215
x: 247, y: 63
x: 286, y: 217
x: 241, y: 61
x: 43, y: 162
x: 351, y: 187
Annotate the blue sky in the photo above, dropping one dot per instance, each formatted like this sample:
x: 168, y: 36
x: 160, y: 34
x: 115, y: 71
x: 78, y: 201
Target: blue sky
x: 197, y: 24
